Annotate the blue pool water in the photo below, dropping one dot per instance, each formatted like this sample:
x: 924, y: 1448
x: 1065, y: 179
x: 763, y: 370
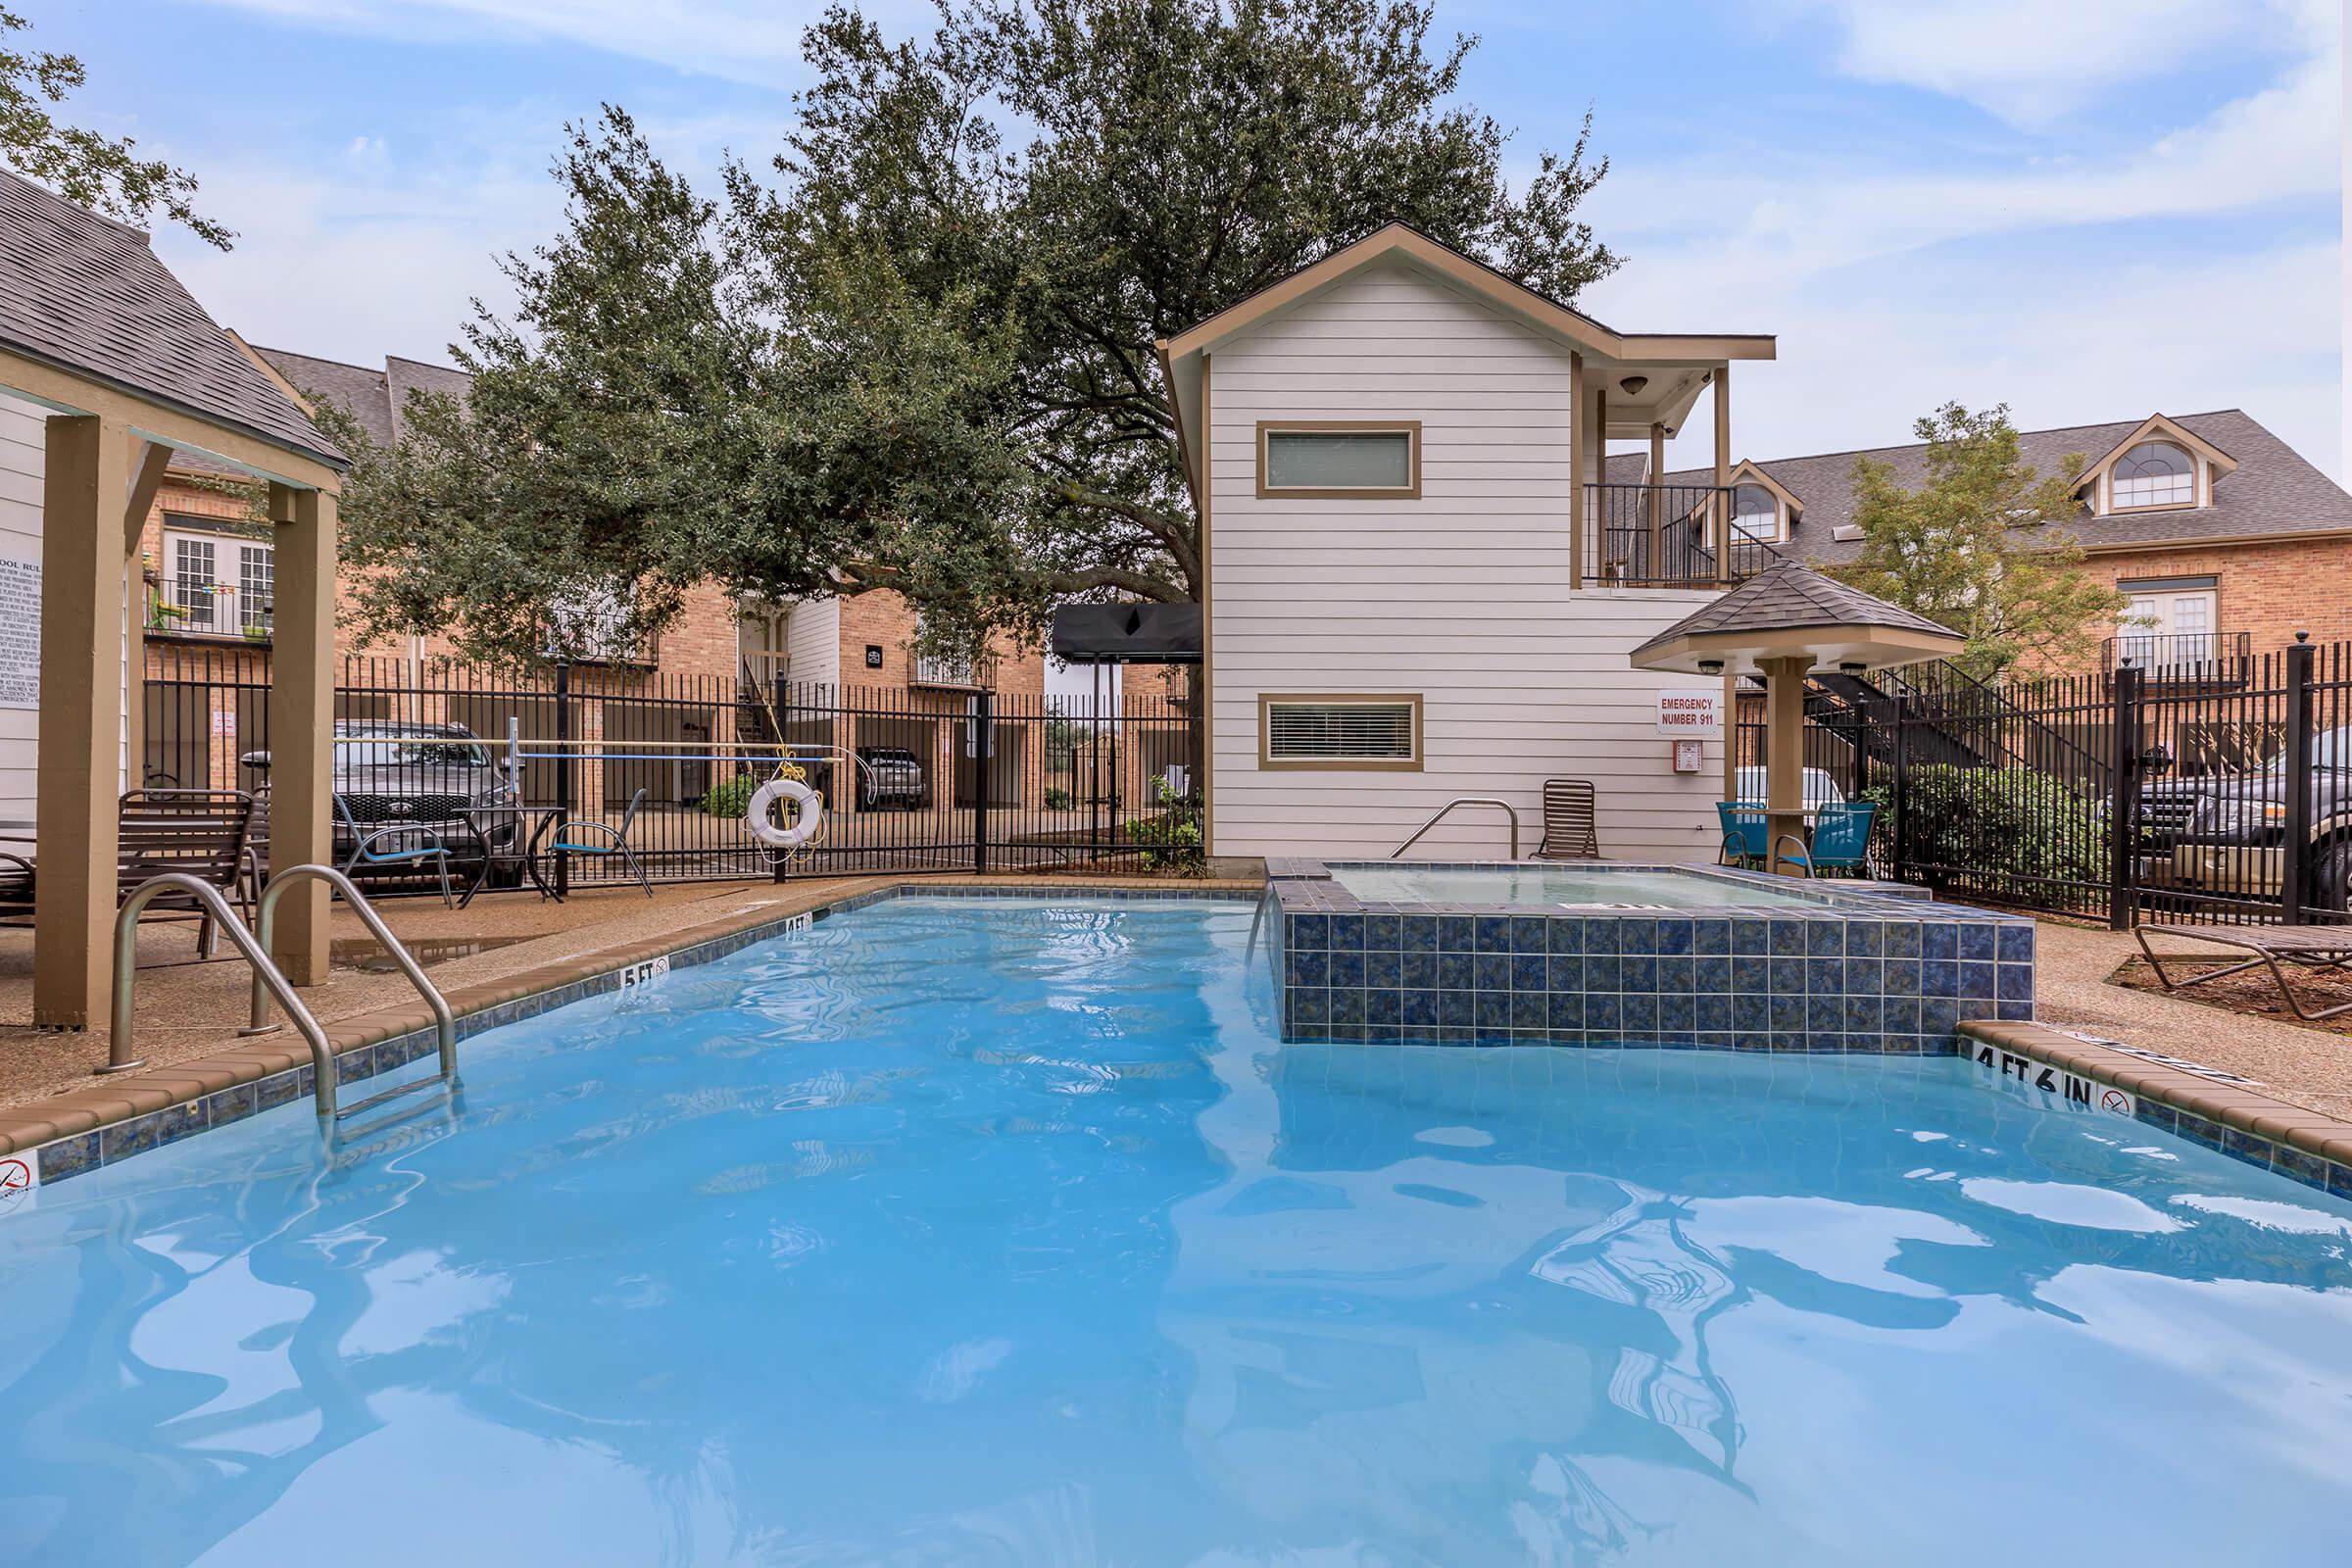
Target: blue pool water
x: 954, y: 1231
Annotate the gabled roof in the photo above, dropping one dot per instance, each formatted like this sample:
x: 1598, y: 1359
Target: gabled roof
x: 378, y: 399
x: 85, y: 295
x: 2157, y: 426
x: 2274, y: 492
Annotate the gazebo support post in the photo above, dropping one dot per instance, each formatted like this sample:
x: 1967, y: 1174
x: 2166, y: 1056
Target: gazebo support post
x: 302, y: 721
x: 1785, y: 750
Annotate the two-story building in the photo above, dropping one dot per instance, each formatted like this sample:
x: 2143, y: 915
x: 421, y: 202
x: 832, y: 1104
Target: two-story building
x: 1420, y: 585
x: 2225, y: 539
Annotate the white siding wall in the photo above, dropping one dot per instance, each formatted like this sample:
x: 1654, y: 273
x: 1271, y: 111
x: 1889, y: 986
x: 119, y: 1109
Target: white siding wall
x: 1461, y: 595
x: 812, y: 642
x: 22, y: 437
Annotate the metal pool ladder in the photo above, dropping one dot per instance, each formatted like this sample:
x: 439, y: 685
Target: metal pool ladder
x: 269, y: 981
x: 1438, y: 815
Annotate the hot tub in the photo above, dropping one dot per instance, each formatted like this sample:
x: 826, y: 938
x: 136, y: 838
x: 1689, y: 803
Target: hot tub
x: 1609, y: 954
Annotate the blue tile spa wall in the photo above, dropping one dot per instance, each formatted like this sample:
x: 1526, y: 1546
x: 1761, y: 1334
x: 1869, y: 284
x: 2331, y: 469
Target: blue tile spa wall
x: 1875, y: 979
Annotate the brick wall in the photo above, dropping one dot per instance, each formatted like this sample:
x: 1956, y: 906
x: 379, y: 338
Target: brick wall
x: 2271, y: 591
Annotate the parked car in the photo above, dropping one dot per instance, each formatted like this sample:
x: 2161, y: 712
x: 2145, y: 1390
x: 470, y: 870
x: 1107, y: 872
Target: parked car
x: 2225, y: 833
x: 391, y: 775
x: 892, y: 776
x: 1820, y: 788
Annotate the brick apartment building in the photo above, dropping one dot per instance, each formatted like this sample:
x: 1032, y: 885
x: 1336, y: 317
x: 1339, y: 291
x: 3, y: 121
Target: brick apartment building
x: 2226, y: 539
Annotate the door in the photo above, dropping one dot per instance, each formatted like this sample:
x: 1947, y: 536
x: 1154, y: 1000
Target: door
x: 2173, y: 627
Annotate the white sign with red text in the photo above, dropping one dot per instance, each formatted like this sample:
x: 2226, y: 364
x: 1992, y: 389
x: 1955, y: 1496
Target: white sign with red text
x: 1690, y: 712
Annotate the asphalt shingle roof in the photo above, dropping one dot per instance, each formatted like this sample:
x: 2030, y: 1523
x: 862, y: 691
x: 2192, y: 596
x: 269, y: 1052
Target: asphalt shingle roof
x: 2273, y: 491
x: 1792, y: 597
x: 86, y: 294
x: 378, y: 399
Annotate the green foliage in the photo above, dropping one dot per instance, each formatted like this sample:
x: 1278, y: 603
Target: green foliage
x: 730, y: 796
x: 1981, y: 547
x: 1058, y: 799
x: 1977, y: 827
x: 103, y: 174
x: 1173, y: 837
x: 921, y: 356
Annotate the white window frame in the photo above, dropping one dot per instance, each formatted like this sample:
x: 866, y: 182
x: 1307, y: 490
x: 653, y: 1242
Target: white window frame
x: 2153, y: 621
x: 225, y: 614
x: 1780, y: 514
x: 1268, y: 702
x: 2108, y: 483
x: 1410, y: 429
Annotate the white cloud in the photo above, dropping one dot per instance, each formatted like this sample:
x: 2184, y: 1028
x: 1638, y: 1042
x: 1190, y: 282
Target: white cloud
x: 2035, y: 61
x: 755, y: 41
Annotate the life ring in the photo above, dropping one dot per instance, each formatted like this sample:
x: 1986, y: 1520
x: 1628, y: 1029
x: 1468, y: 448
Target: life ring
x: 809, y: 812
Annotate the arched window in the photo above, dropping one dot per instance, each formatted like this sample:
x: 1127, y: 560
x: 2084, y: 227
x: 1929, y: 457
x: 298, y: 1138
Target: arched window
x: 1756, y: 512
x: 2155, y: 474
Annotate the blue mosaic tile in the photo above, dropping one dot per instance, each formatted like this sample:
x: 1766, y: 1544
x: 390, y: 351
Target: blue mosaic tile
x: 1527, y: 933
x: 2015, y: 943
x: 1529, y: 1010
x: 1310, y: 968
x: 1493, y: 932
x: 1419, y: 933
x: 69, y: 1156
x: 1711, y: 973
x: 1638, y: 1012
x: 1530, y: 971
x: 1901, y: 977
x: 1976, y: 982
x: 1602, y: 1012
x: 1751, y: 975
x: 1418, y: 972
x: 1751, y: 936
x: 1418, y: 1008
x: 1864, y: 975
x: 1310, y: 1006
x: 1712, y: 937
x: 1494, y: 1010
x: 1382, y: 969
x: 1458, y: 933
x: 1677, y: 938
x: 1454, y: 971
x: 1347, y: 1005
x: 1637, y: 936
x: 1605, y: 936
x: 1384, y: 1005
x: 2016, y: 982
x: 1713, y: 1010
x: 1824, y: 939
x: 1565, y: 934
x: 1566, y: 1009
x: 1865, y: 939
x: 1346, y: 969
x: 1383, y: 933
x: 1977, y: 942
x: 1457, y: 1007
x: 1567, y: 973
x: 1347, y: 933
x: 1490, y: 972
x: 1638, y: 974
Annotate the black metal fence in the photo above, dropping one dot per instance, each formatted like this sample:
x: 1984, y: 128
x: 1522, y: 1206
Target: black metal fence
x: 2198, y: 790
x: 1666, y: 536
x: 912, y: 777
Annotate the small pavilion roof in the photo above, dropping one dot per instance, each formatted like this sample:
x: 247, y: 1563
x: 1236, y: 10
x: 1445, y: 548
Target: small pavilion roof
x: 1786, y: 609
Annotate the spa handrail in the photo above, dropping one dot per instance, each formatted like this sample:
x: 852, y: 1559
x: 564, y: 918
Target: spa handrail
x: 121, y: 1048
x: 1465, y: 800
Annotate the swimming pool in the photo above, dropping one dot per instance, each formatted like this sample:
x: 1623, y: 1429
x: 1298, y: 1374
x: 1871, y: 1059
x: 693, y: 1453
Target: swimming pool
x: 954, y: 1232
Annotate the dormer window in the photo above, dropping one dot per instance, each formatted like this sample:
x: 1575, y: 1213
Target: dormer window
x: 1755, y: 512
x: 2154, y: 473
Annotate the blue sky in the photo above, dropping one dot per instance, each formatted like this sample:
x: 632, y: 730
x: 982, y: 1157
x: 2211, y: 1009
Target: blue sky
x: 2089, y: 209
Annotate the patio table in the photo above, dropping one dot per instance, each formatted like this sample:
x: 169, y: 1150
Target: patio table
x: 522, y: 852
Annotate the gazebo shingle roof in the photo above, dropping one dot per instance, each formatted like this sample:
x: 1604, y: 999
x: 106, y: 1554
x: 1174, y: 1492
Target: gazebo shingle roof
x: 85, y: 294
x: 1792, y: 597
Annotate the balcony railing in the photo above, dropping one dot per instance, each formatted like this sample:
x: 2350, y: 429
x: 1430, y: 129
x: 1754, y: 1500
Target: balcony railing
x: 1666, y: 536
x: 203, y: 613
x: 2183, y: 655
x: 957, y: 671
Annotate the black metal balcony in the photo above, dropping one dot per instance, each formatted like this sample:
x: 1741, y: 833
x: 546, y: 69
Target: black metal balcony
x: 1666, y: 536
x: 2186, y: 655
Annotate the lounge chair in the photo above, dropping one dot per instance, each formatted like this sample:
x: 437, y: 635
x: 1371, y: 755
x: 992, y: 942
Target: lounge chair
x: 1568, y: 831
x: 1840, y: 843
x: 2314, y: 949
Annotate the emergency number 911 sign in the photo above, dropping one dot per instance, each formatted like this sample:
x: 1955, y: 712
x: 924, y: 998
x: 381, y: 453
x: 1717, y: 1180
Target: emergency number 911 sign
x: 1690, y: 712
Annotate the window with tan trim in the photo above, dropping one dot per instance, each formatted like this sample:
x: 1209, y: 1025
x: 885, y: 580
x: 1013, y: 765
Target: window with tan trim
x: 1755, y: 512
x: 2153, y: 473
x: 1340, y: 730
x: 1340, y: 458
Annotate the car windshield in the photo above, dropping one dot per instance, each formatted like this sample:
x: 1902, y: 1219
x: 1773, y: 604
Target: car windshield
x: 396, y: 750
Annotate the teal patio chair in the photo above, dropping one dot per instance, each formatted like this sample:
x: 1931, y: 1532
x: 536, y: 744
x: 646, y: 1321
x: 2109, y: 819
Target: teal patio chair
x: 615, y: 841
x: 1840, y: 842
x: 1743, y: 833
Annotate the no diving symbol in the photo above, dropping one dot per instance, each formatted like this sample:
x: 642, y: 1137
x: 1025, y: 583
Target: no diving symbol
x: 17, y: 1178
x: 2115, y: 1100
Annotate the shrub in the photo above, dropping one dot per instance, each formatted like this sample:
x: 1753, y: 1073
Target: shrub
x: 730, y: 796
x: 1172, y: 839
x: 1982, y: 828
x: 1058, y: 799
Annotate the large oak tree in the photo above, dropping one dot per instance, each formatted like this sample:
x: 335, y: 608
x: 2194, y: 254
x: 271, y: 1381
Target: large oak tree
x: 915, y: 350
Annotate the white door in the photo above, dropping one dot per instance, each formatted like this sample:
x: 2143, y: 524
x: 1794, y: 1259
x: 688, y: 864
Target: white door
x: 2174, y: 627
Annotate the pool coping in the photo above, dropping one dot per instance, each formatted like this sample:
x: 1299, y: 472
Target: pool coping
x: 114, y: 1119
x: 2214, y: 1109
x: 86, y: 1129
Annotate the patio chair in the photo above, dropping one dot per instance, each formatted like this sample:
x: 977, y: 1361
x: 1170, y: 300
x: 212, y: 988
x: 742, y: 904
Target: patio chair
x: 2315, y: 949
x: 1568, y: 831
x: 403, y: 845
x: 1840, y: 842
x: 1745, y: 834
x: 204, y: 833
x: 614, y: 842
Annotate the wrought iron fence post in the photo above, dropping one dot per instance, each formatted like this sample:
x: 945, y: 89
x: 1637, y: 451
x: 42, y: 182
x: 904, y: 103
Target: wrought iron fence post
x: 2123, y: 806
x: 984, y: 745
x: 563, y: 774
x: 2294, y: 866
x: 1900, y: 803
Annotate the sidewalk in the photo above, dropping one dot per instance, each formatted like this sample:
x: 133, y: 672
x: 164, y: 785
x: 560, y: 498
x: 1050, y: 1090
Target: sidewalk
x: 2310, y: 1067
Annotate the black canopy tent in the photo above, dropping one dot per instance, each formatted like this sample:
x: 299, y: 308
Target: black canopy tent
x: 1127, y: 634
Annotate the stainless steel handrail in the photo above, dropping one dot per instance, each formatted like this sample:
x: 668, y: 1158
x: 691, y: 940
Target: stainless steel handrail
x: 266, y: 974
x: 1465, y: 800
x: 445, y: 1023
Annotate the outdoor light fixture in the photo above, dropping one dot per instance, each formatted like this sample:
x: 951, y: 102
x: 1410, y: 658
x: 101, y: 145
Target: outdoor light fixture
x: 1632, y: 385
x: 1710, y: 666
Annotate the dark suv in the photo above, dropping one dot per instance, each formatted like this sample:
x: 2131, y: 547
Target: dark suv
x: 420, y: 776
x: 2225, y: 833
